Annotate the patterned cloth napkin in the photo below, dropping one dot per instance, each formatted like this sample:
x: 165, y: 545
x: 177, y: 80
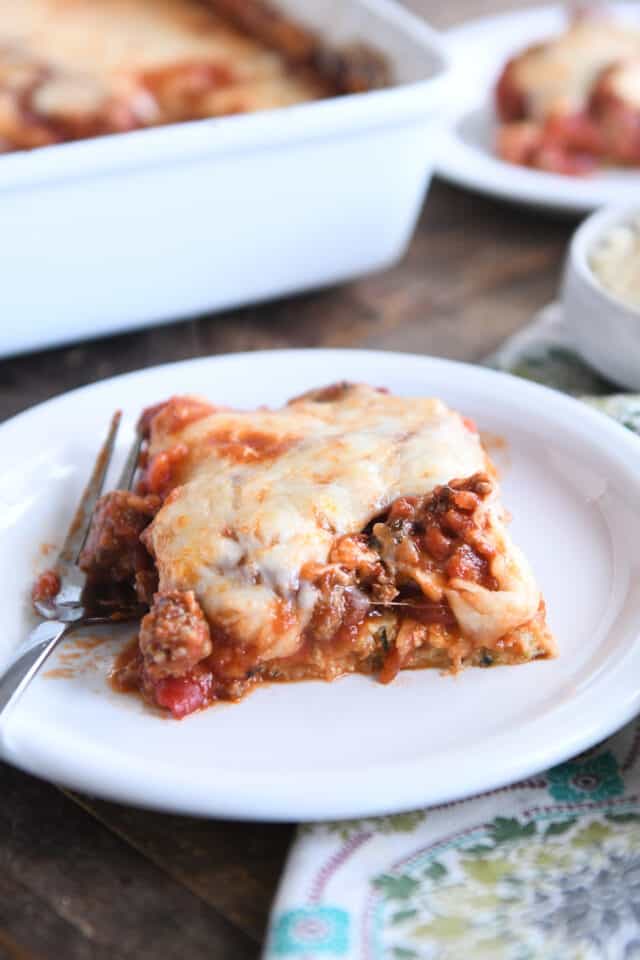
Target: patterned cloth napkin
x: 545, y: 869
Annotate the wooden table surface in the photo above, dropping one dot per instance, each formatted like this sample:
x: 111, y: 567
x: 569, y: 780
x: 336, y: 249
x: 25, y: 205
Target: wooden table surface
x: 83, y: 878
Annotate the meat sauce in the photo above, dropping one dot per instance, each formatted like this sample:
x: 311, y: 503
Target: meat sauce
x: 46, y: 587
x: 163, y: 471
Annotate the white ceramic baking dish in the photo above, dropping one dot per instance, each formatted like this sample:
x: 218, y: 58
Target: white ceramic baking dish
x: 138, y: 228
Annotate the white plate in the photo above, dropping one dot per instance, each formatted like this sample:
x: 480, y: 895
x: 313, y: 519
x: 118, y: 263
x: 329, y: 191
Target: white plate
x: 479, y: 50
x: 354, y: 747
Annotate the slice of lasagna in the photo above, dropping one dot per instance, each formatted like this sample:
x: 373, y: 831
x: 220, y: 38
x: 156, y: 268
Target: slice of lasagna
x: 572, y: 103
x: 350, y: 531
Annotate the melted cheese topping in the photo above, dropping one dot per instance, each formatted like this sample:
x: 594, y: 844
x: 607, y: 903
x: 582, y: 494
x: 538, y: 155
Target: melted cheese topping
x: 91, y: 50
x: 625, y: 82
x: 263, y: 496
x: 557, y: 76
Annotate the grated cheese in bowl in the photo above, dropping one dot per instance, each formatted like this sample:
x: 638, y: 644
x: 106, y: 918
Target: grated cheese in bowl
x: 616, y: 261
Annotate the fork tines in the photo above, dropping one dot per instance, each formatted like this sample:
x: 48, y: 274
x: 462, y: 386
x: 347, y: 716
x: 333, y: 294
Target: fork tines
x: 77, y: 533
x: 131, y: 463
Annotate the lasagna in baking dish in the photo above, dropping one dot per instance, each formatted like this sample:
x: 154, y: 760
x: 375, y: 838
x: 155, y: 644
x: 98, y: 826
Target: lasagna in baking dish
x: 350, y: 531
x: 71, y: 69
x: 572, y: 103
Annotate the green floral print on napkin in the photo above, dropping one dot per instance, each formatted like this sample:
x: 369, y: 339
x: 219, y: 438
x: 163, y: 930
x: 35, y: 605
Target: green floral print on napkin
x: 551, y: 887
x: 543, y: 352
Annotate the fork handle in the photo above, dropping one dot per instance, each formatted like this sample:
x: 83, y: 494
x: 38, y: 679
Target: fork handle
x: 42, y: 641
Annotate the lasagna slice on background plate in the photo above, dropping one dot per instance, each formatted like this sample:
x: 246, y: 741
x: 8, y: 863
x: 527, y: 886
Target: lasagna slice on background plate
x: 349, y: 531
x: 572, y: 103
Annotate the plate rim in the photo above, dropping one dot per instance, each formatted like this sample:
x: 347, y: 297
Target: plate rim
x: 290, y: 799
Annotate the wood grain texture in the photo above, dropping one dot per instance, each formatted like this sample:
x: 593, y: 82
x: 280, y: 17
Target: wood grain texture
x: 231, y: 866
x: 74, y: 888
x: 82, y: 878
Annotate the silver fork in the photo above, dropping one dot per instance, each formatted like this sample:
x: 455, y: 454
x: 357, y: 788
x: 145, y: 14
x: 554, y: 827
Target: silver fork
x: 68, y: 610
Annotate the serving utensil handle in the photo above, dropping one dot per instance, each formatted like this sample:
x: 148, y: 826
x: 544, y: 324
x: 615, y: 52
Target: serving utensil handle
x: 42, y: 641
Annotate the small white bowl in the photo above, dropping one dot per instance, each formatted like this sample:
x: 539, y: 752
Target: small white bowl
x: 606, y: 331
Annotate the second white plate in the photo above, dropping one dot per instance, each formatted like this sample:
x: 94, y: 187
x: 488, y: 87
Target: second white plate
x: 354, y: 747
x: 479, y: 49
